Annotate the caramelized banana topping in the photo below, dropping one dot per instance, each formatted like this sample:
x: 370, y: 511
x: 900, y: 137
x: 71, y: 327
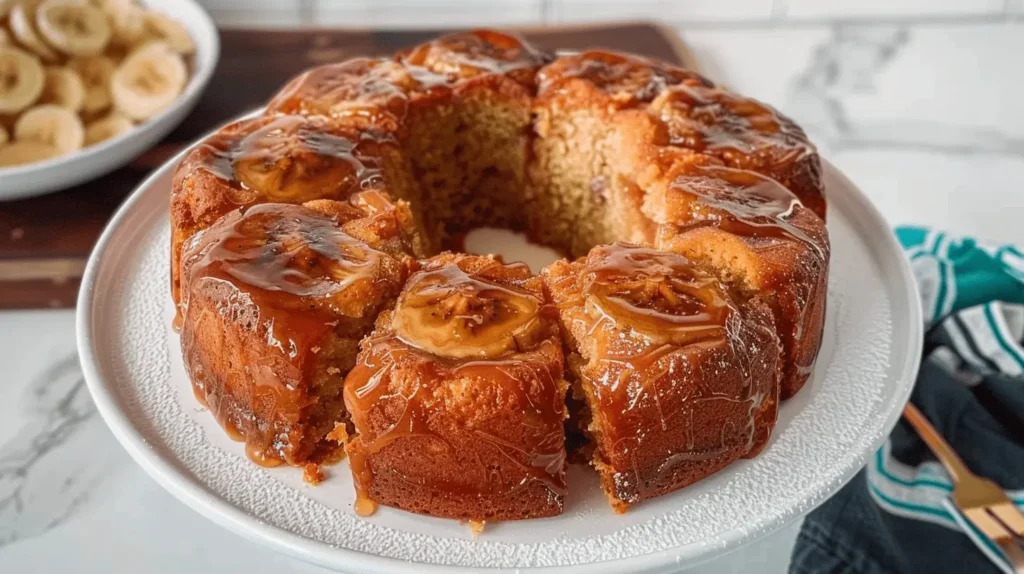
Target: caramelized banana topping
x: 452, y: 313
x: 659, y: 294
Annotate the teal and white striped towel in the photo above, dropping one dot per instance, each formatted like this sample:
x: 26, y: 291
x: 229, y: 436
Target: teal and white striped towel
x: 896, y: 515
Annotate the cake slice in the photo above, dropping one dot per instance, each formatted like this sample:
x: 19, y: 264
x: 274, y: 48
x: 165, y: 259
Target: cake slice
x: 456, y: 401
x: 677, y: 376
x: 275, y: 298
x: 757, y: 236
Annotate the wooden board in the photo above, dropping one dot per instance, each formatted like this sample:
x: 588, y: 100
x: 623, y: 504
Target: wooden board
x: 44, y: 241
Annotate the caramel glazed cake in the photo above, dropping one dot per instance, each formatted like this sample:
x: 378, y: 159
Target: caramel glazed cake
x: 320, y: 315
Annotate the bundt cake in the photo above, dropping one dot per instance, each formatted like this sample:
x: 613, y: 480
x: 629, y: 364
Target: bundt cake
x: 323, y: 311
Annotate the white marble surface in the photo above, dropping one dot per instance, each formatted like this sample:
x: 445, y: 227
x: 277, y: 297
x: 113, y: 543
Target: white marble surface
x: 918, y: 102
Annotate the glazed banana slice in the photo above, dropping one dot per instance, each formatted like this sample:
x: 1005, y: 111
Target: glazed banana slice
x: 20, y: 21
x: 21, y: 80
x: 96, y: 73
x: 51, y: 125
x: 73, y: 27
x: 170, y: 31
x: 658, y: 294
x: 452, y: 313
x: 64, y: 88
x: 20, y: 152
x: 148, y: 80
x: 105, y: 128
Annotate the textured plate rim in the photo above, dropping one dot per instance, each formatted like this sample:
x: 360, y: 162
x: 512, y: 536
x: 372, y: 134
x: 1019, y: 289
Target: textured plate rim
x: 860, y: 210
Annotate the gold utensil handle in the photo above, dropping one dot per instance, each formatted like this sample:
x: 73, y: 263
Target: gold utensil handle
x: 945, y: 453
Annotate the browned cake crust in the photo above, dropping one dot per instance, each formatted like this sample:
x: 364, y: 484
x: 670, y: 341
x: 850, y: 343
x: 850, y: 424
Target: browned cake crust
x: 293, y: 236
x: 456, y: 401
x: 679, y: 377
x: 275, y: 298
x: 753, y: 233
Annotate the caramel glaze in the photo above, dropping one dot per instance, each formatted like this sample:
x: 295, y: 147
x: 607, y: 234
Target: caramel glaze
x: 629, y: 80
x: 286, y: 159
x: 488, y: 428
x: 750, y: 205
x: 282, y: 277
x: 676, y: 394
x: 745, y: 134
x: 378, y: 92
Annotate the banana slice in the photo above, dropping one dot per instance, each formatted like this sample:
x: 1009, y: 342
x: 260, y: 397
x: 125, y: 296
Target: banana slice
x: 52, y: 125
x: 17, y: 153
x: 128, y: 26
x: 64, y: 87
x: 105, y: 128
x: 451, y: 313
x: 4, y: 136
x: 658, y: 294
x: 21, y: 80
x: 148, y: 80
x: 96, y: 73
x: 170, y: 31
x: 73, y: 27
x: 25, y: 33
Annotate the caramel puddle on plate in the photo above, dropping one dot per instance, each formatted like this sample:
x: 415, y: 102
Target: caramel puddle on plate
x: 511, y: 246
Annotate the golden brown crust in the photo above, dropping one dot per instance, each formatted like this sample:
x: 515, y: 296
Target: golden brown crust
x: 469, y: 438
x: 275, y: 298
x: 664, y: 413
x: 751, y: 229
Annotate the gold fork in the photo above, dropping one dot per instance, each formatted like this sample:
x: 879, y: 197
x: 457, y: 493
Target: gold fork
x: 980, y: 500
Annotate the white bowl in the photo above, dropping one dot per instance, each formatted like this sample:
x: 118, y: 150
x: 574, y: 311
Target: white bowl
x: 91, y: 162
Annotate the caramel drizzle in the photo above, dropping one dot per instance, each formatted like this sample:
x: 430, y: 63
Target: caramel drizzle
x: 278, y: 147
x: 694, y: 309
x: 760, y: 207
x: 370, y: 385
x: 282, y: 265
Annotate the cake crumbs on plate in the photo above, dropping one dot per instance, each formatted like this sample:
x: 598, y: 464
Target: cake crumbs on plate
x: 313, y: 474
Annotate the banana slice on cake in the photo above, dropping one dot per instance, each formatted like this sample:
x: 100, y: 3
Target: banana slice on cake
x: 96, y: 73
x: 51, y: 125
x: 451, y: 313
x: 20, y: 21
x: 148, y: 80
x: 21, y: 80
x: 73, y: 27
x: 658, y: 294
x: 105, y: 128
x: 64, y: 88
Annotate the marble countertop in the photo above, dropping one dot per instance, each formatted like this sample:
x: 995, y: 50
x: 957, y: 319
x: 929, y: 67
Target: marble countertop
x: 920, y: 108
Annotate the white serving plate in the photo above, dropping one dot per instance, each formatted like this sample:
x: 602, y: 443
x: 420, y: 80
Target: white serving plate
x: 864, y: 375
x: 89, y: 163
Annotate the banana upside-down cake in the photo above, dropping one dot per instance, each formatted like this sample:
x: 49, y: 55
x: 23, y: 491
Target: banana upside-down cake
x: 324, y: 310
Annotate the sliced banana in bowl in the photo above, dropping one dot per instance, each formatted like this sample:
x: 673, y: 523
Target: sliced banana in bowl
x: 102, y: 80
x: 73, y: 27
x: 21, y: 80
x: 148, y: 80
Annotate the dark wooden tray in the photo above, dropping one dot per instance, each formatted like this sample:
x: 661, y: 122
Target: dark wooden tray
x: 44, y: 241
